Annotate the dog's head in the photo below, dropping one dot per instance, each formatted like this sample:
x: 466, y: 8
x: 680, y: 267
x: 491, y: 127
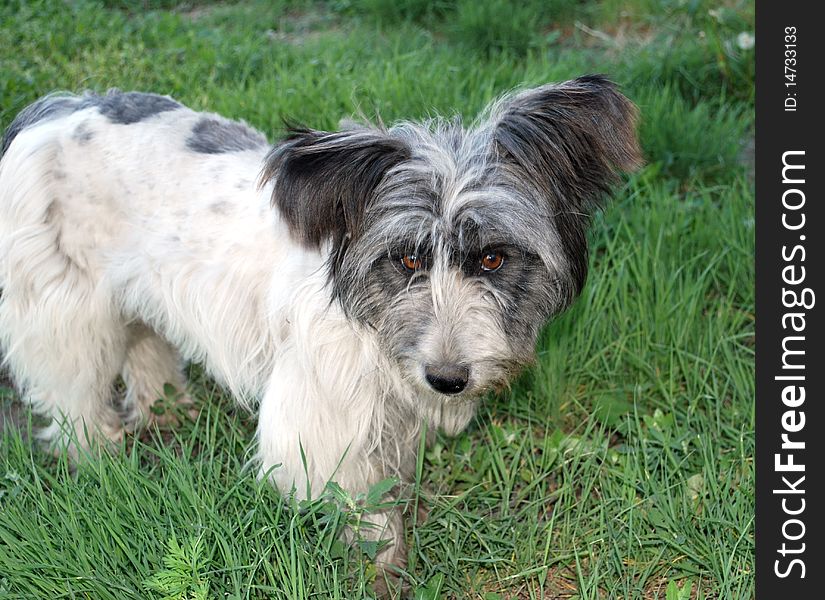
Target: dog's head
x: 455, y: 245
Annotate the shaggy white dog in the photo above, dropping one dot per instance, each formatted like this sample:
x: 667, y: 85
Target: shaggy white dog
x: 351, y: 285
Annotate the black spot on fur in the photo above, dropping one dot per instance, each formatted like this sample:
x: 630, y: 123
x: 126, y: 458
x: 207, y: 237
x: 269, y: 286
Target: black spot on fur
x: 213, y: 135
x: 126, y: 108
x: 570, y: 141
x: 119, y: 107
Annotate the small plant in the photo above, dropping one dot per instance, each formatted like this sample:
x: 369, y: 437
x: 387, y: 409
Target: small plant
x: 182, y: 576
x: 673, y: 591
x: 170, y: 407
x: 356, y: 508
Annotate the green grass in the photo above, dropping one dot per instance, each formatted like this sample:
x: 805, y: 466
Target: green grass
x: 619, y: 466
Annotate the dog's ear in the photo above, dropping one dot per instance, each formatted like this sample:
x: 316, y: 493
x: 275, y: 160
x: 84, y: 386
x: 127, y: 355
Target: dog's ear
x: 323, y: 181
x: 569, y: 142
x: 571, y: 139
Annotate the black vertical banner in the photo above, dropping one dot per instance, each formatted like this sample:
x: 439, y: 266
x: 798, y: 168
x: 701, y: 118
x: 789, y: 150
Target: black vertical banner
x: 790, y: 299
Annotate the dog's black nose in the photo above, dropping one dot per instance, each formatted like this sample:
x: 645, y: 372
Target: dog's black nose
x: 447, y: 379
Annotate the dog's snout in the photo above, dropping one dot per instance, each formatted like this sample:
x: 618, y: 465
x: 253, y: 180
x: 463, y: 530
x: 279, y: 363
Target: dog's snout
x: 447, y: 379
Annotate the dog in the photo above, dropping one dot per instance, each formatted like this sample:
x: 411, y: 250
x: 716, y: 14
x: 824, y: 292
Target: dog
x: 355, y: 287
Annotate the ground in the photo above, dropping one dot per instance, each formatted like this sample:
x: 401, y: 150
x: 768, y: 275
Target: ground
x: 619, y: 466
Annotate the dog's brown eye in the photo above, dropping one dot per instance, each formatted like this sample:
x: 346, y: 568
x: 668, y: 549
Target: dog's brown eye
x: 492, y: 261
x: 411, y: 262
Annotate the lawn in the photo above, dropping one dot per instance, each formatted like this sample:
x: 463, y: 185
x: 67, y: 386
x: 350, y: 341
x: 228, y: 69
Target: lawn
x: 619, y: 466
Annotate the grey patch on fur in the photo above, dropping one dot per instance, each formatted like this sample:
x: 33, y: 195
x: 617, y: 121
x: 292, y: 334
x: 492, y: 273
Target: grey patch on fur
x: 220, y: 207
x: 125, y: 108
x: 119, y: 107
x: 82, y: 135
x: 214, y: 135
x: 45, y: 109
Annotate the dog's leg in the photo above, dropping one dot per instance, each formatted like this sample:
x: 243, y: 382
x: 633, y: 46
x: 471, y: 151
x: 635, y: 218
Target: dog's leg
x: 305, y: 439
x: 60, y: 330
x: 389, y: 527
x: 150, y: 364
x: 64, y: 349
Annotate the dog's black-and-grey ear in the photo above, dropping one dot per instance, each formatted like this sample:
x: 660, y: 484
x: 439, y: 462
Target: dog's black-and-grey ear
x: 323, y: 181
x: 570, y: 142
x: 572, y: 139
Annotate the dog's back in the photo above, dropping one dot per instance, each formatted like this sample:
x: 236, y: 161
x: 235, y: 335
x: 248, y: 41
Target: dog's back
x: 101, y: 199
x: 125, y: 168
